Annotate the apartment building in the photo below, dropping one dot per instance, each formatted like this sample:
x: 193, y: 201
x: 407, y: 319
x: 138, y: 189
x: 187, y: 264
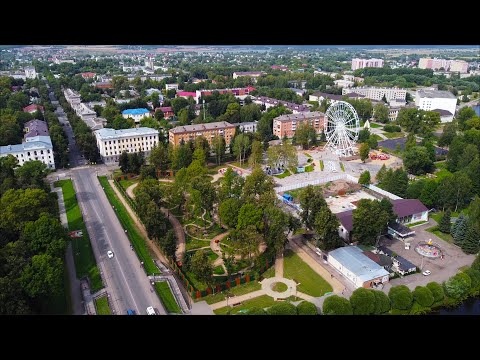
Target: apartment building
x: 286, y: 125
x: 377, y: 93
x: 431, y: 100
x: 34, y: 148
x: 363, y: 63
x: 208, y: 131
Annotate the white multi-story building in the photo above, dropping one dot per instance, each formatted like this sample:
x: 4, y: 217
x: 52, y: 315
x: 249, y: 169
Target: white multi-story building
x: 363, y: 63
x: 111, y: 143
x: 136, y: 114
x: 447, y: 65
x: 171, y: 86
x: 343, y: 83
x: 73, y: 98
x: 250, y: 127
x: 431, y: 100
x: 30, y: 72
x: 377, y: 93
x: 34, y: 148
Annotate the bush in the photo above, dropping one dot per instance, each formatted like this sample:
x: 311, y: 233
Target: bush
x: 284, y: 308
x: 363, y: 302
x: 423, y: 296
x: 336, y: 305
x: 418, y: 309
x: 307, y: 308
x: 474, y: 275
x: 458, y: 286
x: 256, y: 311
x: 392, y: 128
x: 400, y: 297
x: 437, y: 291
x: 382, y: 302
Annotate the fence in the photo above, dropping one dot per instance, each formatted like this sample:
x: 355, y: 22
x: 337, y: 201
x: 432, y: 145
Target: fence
x: 383, y: 192
x: 317, y: 182
x: 198, y: 294
x: 125, y: 195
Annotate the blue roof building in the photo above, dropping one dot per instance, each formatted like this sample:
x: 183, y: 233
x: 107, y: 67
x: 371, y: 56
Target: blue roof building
x: 139, y: 111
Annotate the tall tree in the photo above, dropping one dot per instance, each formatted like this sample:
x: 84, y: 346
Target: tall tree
x: 201, y: 267
x: 381, y: 113
x: 256, y: 155
x: 370, y: 220
x: 326, y: 227
x: 364, y: 178
x: 311, y: 202
x: 364, y: 151
x: 445, y: 222
x: 471, y: 243
x: 241, y: 146
x: 417, y: 160
x: 218, y: 146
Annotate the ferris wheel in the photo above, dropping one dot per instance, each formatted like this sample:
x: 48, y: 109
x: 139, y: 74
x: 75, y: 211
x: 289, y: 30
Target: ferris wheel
x: 341, y: 128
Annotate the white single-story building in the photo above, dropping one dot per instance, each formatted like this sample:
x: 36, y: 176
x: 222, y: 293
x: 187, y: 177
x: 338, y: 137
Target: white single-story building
x: 136, y: 114
x: 352, y: 263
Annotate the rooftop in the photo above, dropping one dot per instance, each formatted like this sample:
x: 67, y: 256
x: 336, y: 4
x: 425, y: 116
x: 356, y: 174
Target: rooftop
x: 107, y: 133
x: 201, y: 127
x: 353, y: 259
x: 289, y: 105
x: 36, y: 127
x: 138, y: 111
x: 301, y: 116
x: 424, y: 93
x: 443, y: 112
x: 33, y: 143
x: 407, y: 207
x: 33, y: 107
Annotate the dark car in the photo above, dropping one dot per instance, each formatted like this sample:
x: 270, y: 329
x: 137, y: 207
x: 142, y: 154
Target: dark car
x: 130, y: 312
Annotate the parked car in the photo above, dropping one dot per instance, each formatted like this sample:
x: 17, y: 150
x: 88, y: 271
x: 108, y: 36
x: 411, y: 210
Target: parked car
x: 130, y: 312
x: 151, y: 311
x: 110, y: 254
x: 426, y: 272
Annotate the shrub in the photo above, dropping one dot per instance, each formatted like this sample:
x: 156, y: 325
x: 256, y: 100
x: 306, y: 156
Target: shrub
x: 256, y: 311
x: 458, y: 286
x: 400, y: 297
x: 284, y: 308
x: 418, y: 309
x: 336, y: 305
x: 423, y: 296
x: 474, y: 275
x: 437, y: 291
x: 363, y: 302
x: 392, y: 128
x: 382, y: 302
x: 307, y: 308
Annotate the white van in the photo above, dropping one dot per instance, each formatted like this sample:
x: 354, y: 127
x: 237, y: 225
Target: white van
x: 151, y: 311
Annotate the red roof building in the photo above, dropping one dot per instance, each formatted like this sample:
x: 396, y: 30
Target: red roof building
x: 88, y: 75
x: 167, y: 111
x: 186, y: 94
x: 33, y: 108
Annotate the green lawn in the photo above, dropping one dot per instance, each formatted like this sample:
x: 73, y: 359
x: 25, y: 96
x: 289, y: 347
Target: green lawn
x: 167, y: 298
x: 321, y: 165
x: 211, y: 255
x: 310, y: 282
x: 102, y: 306
x: 237, y: 291
x: 270, y: 272
x: 447, y: 237
x: 139, y: 243
x: 125, y: 184
x: 218, y: 270
x: 85, y: 264
x: 377, y: 137
x: 263, y: 301
x: 280, y: 287
x: 342, y: 166
x: 191, y: 243
x: 376, y: 126
x: 438, y: 215
x: 416, y: 223
x: 309, y: 168
x: 394, y: 135
x: 284, y: 174
x: 442, y: 174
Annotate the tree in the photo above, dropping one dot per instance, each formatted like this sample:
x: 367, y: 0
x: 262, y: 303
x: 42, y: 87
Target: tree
x: 336, y: 305
x: 400, y: 297
x: 218, y: 146
x: 445, y: 222
x: 381, y: 173
x: 463, y: 115
x: 169, y: 243
x: 458, y: 286
x: 257, y: 154
x: 159, y: 157
x: 311, y: 202
x: 258, y: 188
x: 363, y: 302
x: 326, y: 227
x: 182, y: 156
x: 364, y: 151
x: 231, y: 185
x: 423, y: 296
x: 228, y: 212
x: 474, y: 275
x: 45, y: 235
x: 249, y: 214
x: 454, y: 191
x: 284, y: 155
x: 372, y: 141
x: 283, y: 308
x: 364, y: 178
x: 307, y: 308
x: 471, y: 243
x: 304, y: 135
x: 43, y: 276
x: 276, y: 225
x: 417, y: 160
x: 201, y: 267
x: 370, y: 220
x: 382, y: 302
x: 459, y: 229
x: 363, y: 136
x: 437, y: 291
x: 203, y: 194
x: 150, y: 122
x: 381, y: 113
x: 449, y: 132
x: 123, y: 162
x: 241, y: 146
x: 256, y: 311
x: 200, y: 156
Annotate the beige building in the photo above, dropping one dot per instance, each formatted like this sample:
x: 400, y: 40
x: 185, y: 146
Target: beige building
x: 376, y: 93
x: 286, y: 125
x: 208, y: 131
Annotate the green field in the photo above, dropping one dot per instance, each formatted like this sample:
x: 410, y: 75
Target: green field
x: 85, y: 264
x: 284, y: 174
x: 376, y: 126
x: 263, y: 301
x: 127, y: 222
x: 270, y: 272
x: 191, y: 243
x: 237, y: 291
x: 309, y: 168
x: 218, y: 270
x: 377, y: 137
x: 310, y: 282
x: 394, y: 135
x: 125, y: 184
x: 101, y: 304
x: 167, y: 298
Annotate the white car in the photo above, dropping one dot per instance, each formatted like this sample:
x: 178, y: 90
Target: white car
x: 110, y: 254
x: 426, y: 272
x: 151, y: 311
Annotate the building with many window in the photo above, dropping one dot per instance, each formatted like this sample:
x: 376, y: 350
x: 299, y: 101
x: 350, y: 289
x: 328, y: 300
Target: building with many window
x: 30, y: 72
x: 430, y: 100
x: 252, y: 74
x: 377, y: 93
x: 185, y: 133
x: 34, y: 148
x: 237, y: 92
x: 111, y: 143
x: 250, y: 127
x: 363, y: 63
x: 269, y: 102
x: 286, y: 125
x: 136, y: 114
x: 460, y: 66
